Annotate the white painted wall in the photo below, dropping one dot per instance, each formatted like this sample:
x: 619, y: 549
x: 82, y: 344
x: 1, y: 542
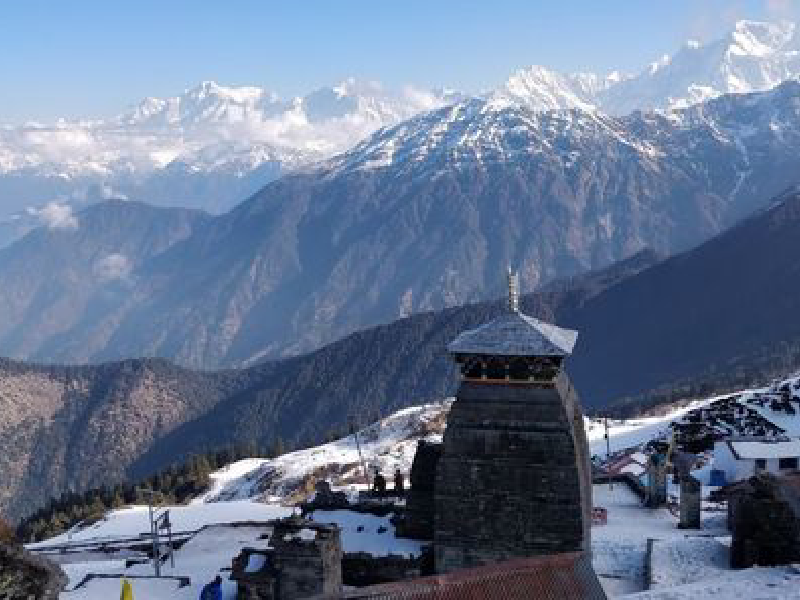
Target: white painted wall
x: 739, y: 469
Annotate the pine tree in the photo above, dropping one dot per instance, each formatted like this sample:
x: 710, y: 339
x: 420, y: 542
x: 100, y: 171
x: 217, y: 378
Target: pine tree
x: 7, y: 535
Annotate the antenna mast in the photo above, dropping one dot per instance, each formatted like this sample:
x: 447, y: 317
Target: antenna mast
x: 513, y: 291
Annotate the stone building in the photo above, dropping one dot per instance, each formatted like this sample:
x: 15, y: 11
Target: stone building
x: 417, y: 521
x: 690, y: 503
x: 764, y: 519
x: 741, y: 457
x: 656, y: 490
x: 514, y: 477
x: 303, y: 560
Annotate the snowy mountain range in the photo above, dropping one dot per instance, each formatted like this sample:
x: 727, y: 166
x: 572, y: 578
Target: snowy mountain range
x: 213, y: 145
x: 755, y: 56
x: 208, y: 147
x: 423, y: 215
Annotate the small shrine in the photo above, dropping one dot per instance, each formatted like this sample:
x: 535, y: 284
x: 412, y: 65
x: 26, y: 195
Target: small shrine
x: 304, y: 559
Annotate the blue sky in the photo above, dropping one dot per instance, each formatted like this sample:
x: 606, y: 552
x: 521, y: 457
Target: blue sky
x: 87, y: 58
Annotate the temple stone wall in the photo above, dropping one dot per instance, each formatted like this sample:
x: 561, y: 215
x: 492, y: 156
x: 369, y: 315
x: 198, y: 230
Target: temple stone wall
x: 690, y: 503
x: 417, y: 519
x: 765, y: 520
x: 514, y: 476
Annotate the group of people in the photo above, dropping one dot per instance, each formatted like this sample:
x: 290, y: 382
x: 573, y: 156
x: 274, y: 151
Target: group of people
x: 379, y: 482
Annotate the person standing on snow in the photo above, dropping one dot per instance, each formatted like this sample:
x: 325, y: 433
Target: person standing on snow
x: 212, y: 590
x: 379, y: 483
x: 399, y: 483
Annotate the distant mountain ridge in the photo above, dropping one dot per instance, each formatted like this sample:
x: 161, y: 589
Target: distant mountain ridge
x: 420, y: 216
x: 213, y: 145
x: 65, y: 428
x: 754, y: 56
x: 209, y: 147
x: 721, y: 310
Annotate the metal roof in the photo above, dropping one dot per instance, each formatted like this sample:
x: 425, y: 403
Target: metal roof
x: 567, y: 576
x: 515, y: 334
x: 744, y: 449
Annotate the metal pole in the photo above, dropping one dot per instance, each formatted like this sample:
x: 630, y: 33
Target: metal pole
x: 361, y: 458
x: 171, y: 547
x: 354, y: 429
x: 153, y: 532
x: 608, y: 451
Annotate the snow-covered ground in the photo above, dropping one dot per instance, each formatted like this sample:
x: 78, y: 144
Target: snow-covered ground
x: 627, y: 433
x: 201, y: 559
x: 387, y: 445
x: 780, y: 583
x: 135, y: 520
x: 619, y: 547
x: 682, y: 564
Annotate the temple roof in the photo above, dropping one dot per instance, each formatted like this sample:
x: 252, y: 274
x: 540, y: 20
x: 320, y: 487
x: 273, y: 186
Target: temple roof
x: 566, y: 576
x: 515, y: 334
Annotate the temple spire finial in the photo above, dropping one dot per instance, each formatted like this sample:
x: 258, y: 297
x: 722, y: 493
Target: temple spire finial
x: 513, y: 291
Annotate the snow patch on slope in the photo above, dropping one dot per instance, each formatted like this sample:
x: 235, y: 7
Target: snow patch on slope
x: 387, y: 445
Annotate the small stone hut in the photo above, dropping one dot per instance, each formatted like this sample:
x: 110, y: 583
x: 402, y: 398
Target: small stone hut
x: 764, y: 519
x: 304, y: 559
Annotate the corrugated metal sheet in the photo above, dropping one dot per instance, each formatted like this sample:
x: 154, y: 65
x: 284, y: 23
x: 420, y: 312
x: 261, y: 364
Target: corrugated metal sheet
x: 568, y: 576
x: 757, y: 448
x: 515, y: 334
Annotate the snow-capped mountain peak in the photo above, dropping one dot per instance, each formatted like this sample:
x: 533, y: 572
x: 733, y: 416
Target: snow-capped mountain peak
x: 756, y: 38
x: 209, y: 132
x: 754, y: 56
x: 142, y: 150
x: 539, y: 88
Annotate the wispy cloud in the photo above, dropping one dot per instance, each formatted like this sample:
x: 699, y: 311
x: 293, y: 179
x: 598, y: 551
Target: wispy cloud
x: 54, y: 215
x: 99, y: 149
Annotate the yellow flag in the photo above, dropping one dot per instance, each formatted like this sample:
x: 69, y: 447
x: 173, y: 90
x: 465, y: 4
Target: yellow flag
x: 127, y: 590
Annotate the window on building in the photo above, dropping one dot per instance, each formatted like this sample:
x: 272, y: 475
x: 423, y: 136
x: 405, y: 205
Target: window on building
x: 496, y: 369
x: 761, y: 464
x: 472, y: 368
x: 787, y: 463
x: 518, y: 369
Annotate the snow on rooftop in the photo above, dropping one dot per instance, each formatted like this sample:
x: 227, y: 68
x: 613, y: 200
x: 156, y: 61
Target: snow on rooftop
x: 515, y: 334
x: 133, y: 521
x: 201, y: 559
x: 752, y: 449
x: 634, y: 469
x: 368, y: 533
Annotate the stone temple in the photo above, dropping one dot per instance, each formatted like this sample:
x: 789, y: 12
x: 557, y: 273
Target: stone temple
x: 514, y: 476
